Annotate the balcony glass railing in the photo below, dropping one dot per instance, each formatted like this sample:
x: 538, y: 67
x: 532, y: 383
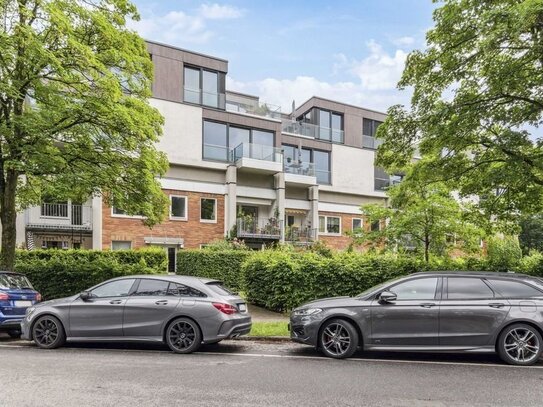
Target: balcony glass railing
x: 381, y: 184
x: 263, y: 228
x: 216, y: 153
x: 313, y: 131
x: 371, y: 142
x: 210, y: 99
x: 257, y: 152
x: 256, y: 108
x: 299, y: 167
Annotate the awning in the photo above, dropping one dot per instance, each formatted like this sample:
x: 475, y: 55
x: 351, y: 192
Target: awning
x: 296, y: 211
x: 170, y: 241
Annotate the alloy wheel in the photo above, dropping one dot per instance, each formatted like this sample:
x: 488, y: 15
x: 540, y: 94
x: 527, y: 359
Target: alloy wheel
x: 182, y: 335
x: 336, y: 339
x: 46, y: 332
x: 522, y: 345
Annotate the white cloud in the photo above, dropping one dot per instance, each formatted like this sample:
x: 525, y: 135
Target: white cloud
x: 179, y: 27
x: 217, y: 12
x: 404, y: 41
x: 374, y: 86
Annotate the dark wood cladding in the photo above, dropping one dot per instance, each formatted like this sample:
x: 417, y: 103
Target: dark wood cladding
x: 187, y: 57
x: 305, y: 142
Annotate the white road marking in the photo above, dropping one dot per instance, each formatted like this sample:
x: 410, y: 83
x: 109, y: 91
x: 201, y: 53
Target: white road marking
x: 275, y: 356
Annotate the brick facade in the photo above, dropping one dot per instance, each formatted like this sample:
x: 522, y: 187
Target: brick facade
x: 194, y: 232
x: 343, y: 241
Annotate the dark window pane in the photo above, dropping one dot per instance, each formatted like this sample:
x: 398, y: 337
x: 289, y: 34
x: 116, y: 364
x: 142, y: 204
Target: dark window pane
x: 207, y: 210
x: 419, y: 289
x: 179, y: 207
x: 514, y: 289
x: 332, y: 224
x: 152, y: 287
x: 181, y: 290
x: 369, y: 127
x: 357, y: 224
x: 468, y: 288
x: 375, y: 226
x: 263, y: 137
x: 237, y: 135
x: 219, y: 288
x: 118, y: 288
x: 215, y: 147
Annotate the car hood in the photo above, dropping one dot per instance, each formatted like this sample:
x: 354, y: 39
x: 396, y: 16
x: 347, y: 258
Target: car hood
x: 57, y: 301
x: 328, y: 302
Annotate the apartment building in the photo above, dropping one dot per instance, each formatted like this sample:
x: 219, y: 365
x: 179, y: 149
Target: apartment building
x: 238, y: 167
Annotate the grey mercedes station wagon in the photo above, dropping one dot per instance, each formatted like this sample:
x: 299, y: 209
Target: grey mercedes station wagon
x: 431, y: 312
x: 182, y: 312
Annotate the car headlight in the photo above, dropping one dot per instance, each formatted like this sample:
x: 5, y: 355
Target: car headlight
x: 304, y: 312
x: 30, y: 310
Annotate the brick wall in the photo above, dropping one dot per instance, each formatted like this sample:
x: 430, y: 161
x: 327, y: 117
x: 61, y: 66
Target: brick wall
x: 343, y: 241
x: 192, y: 230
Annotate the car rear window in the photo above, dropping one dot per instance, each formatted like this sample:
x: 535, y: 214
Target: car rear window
x: 515, y: 289
x: 219, y: 288
x: 8, y: 281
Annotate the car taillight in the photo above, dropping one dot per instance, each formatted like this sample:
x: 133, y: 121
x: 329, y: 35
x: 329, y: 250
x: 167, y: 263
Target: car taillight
x: 225, y: 308
x: 4, y: 296
x: 38, y: 297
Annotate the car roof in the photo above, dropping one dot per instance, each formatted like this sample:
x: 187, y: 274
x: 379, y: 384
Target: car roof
x: 452, y: 273
x: 11, y: 272
x: 172, y: 277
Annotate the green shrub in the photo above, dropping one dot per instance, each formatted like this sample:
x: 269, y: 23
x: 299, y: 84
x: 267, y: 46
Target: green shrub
x: 503, y: 253
x: 56, y: 273
x: 222, y: 265
x: 532, y: 264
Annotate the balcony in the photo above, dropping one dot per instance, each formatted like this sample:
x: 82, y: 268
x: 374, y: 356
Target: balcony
x: 313, y: 131
x: 200, y: 97
x: 371, y: 142
x: 382, y: 184
x: 258, y: 158
x: 254, y: 108
x: 300, y: 235
x: 298, y: 172
x: 59, y: 216
x: 259, y: 228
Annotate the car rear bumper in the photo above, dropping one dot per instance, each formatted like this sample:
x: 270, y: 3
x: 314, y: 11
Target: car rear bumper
x: 233, y: 328
x: 10, y: 323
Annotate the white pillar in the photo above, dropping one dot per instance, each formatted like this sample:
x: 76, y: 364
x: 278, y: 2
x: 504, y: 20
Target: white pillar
x: 279, y: 179
x: 97, y: 223
x: 314, y: 212
x: 230, y: 199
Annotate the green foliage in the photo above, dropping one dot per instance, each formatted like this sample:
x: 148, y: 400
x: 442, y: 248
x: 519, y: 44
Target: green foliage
x: 75, y: 118
x: 222, y: 265
x: 532, y: 264
x: 504, y: 253
x: 59, y: 273
x: 531, y: 234
x: 476, y: 86
x: 226, y: 244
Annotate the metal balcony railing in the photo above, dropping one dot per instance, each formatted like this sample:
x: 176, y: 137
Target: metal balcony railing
x: 62, y: 216
x: 259, y: 228
x: 257, y: 152
x: 299, y: 167
x: 300, y: 234
x: 200, y: 97
x: 256, y: 108
x: 313, y: 131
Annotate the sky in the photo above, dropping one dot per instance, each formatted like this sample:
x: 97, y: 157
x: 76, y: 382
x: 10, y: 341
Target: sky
x: 345, y: 50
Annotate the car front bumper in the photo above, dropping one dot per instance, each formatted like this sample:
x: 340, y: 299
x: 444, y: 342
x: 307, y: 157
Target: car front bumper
x: 305, y: 329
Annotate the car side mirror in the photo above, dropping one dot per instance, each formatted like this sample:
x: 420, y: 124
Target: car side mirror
x: 387, y: 297
x: 85, y: 295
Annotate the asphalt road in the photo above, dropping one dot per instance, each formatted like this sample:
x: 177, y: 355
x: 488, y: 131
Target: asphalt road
x: 242, y: 373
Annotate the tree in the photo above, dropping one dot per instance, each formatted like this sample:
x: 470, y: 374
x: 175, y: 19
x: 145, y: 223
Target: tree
x: 531, y: 234
x: 477, y: 89
x: 422, y: 217
x: 74, y: 114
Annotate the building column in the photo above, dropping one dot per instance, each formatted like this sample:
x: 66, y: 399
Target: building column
x: 230, y: 199
x: 279, y: 180
x: 97, y: 223
x: 314, y: 212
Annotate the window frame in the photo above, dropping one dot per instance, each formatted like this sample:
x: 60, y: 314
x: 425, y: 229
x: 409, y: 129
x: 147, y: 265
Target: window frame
x: 326, y: 225
x: 124, y: 241
x: 446, y: 289
x: 499, y: 293
x: 361, y: 224
x: 180, y: 218
x: 201, y: 71
x: 120, y: 215
x: 214, y: 211
x: 373, y: 127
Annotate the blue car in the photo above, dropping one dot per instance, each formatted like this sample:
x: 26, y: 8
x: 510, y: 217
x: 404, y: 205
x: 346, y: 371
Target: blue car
x: 16, y: 295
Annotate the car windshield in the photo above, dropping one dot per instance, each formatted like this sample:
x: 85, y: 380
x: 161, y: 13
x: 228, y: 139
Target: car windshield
x: 376, y: 287
x: 8, y: 281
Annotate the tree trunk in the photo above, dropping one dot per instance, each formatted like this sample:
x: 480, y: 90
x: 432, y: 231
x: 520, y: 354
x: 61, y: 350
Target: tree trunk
x: 427, y: 249
x: 8, y: 217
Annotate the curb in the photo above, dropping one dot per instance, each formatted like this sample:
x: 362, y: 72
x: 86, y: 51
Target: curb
x: 262, y: 338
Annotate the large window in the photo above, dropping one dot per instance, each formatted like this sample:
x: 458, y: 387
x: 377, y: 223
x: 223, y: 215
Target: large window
x: 208, y: 210
x: 369, y: 127
x: 220, y: 139
x: 204, y: 87
x: 330, y: 225
x: 468, y: 288
x: 178, y: 207
x: 295, y: 159
x: 330, y: 126
x: 418, y: 289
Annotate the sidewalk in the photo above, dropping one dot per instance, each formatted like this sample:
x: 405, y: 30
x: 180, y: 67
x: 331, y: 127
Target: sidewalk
x: 259, y: 314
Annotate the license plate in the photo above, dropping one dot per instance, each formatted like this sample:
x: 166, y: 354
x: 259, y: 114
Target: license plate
x: 242, y: 307
x: 21, y: 304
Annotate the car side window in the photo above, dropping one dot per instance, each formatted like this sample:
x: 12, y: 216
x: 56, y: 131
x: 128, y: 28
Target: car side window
x: 514, y: 289
x: 181, y: 290
x: 417, y: 289
x: 151, y: 287
x: 468, y: 288
x: 118, y: 288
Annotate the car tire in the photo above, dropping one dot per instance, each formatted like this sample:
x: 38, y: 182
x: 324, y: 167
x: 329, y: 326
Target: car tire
x: 14, y: 334
x: 48, y: 332
x: 520, y: 344
x: 338, y: 339
x: 183, y: 335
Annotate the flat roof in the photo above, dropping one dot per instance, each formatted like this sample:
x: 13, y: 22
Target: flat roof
x: 186, y: 50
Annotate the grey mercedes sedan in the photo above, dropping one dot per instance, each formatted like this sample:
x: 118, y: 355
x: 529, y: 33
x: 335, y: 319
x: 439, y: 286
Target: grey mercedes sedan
x: 431, y: 312
x: 182, y: 312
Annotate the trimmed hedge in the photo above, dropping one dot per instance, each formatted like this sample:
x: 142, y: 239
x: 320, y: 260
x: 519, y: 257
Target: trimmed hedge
x: 222, y: 265
x: 61, y: 273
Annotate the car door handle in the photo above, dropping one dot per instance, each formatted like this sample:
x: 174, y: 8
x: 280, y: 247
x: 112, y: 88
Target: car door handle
x: 427, y: 305
x: 496, y: 305
x: 161, y: 302
x: 116, y: 301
